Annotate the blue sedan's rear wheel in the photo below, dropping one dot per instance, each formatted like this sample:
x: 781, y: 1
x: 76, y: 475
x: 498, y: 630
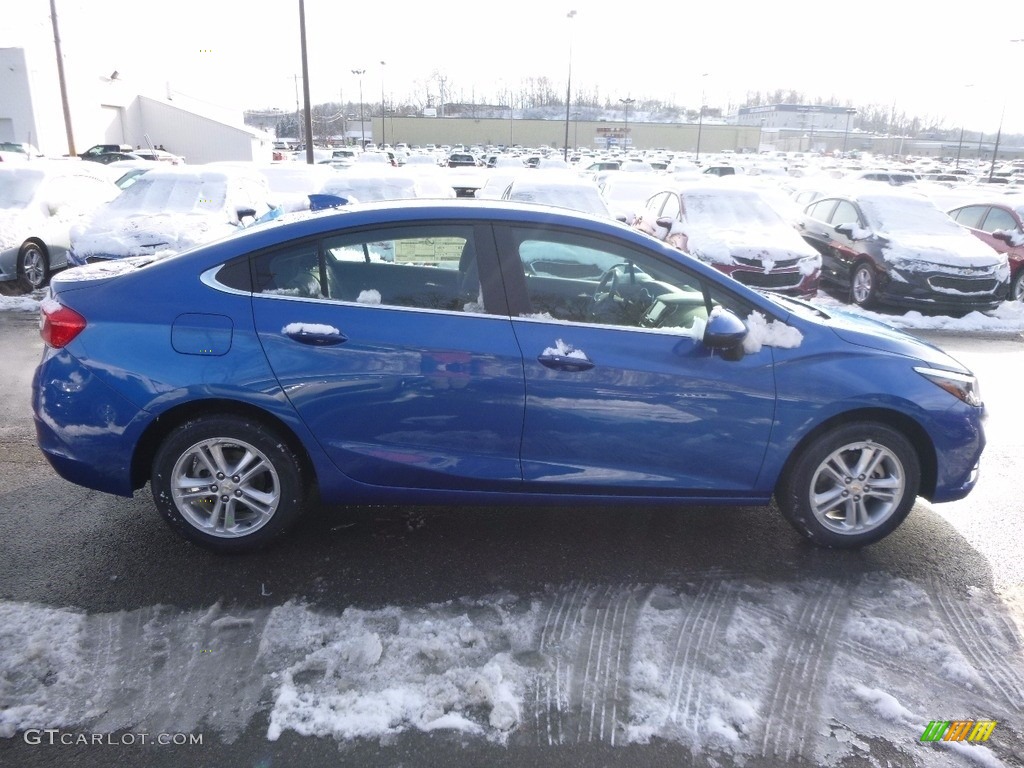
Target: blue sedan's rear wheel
x: 851, y: 486
x: 228, y: 483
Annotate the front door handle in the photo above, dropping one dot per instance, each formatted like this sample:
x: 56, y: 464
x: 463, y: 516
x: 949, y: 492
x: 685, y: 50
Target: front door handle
x: 565, y: 363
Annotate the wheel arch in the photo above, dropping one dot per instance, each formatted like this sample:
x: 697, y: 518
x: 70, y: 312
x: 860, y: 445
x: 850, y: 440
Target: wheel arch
x: 906, y: 425
x: 32, y: 239
x: 150, y: 440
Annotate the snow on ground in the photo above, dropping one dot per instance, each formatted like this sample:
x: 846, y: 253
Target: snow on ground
x: 817, y: 670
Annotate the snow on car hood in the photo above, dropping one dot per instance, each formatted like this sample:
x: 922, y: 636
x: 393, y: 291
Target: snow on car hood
x: 146, y: 233
x: 723, y: 246
x: 915, y: 252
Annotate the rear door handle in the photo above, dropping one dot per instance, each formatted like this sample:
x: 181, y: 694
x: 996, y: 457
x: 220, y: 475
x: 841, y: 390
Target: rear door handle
x: 314, y: 334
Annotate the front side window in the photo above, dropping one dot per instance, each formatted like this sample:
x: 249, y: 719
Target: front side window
x: 998, y: 219
x: 821, y: 210
x: 970, y: 216
x: 579, y: 279
x: 845, y: 213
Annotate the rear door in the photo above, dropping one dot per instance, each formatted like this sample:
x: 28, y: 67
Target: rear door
x: 395, y: 348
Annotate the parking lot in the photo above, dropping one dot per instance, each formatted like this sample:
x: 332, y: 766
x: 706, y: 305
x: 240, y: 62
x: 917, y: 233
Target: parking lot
x: 778, y: 651
x: 511, y: 635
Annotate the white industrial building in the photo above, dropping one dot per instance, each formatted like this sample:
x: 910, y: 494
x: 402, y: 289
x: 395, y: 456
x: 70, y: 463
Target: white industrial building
x: 105, y: 109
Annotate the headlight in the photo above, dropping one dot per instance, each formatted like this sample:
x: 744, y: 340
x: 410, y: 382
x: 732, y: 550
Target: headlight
x: 962, y: 386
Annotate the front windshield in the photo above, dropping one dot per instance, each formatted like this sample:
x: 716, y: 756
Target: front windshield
x: 172, y: 194
x: 18, y: 188
x: 729, y: 211
x: 581, y: 198
x: 372, y: 189
x: 630, y: 190
x: 907, y: 216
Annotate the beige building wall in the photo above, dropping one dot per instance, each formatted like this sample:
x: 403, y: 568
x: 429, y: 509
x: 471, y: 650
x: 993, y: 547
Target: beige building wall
x: 678, y: 137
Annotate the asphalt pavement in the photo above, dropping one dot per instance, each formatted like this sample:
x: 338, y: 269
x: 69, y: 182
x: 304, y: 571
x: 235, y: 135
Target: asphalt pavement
x: 66, y: 547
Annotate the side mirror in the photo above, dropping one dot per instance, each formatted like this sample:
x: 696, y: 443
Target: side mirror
x: 846, y: 228
x: 56, y: 207
x: 244, y: 212
x: 1002, y: 234
x: 725, y: 332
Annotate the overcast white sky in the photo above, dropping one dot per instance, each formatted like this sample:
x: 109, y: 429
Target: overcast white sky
x: 926, y: 58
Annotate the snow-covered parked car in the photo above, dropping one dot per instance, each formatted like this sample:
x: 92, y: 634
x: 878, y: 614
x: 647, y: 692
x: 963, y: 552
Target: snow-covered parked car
x: 896, y: 248
x: 364, y: 184
x: 169, y: 210
x: 39, y: 203
x: 737, y: 231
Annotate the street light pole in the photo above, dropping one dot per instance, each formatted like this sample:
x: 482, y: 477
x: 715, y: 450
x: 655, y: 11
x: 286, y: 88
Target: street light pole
x: 700, y: 117
x: 568, y: 88
x: 846, y: 133
x: 625, y: 132
x: 362, y: 127
x: 995, y: 151
x: 383, y: 135
x: 960, y: 144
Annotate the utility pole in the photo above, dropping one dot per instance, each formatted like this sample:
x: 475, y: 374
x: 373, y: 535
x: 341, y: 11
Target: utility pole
x: 305, y: 84
x: 63, y: 82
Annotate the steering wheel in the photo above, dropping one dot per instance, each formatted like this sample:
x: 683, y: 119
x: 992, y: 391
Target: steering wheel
x: 620, y: 297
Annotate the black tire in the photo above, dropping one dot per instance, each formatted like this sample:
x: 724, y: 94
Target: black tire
x: 232, y: 511
x: 1017, y: 286
x: 820, y: 490
x: 33, y: 267
x: 863, y: 285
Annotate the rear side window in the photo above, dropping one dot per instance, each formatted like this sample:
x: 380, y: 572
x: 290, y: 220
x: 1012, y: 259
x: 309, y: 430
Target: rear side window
x: 417, y: 267
x: 430, y: 267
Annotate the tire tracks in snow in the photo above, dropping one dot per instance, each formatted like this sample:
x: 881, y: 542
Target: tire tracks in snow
x: 582, y: 696
x: 798, y: 679
x: 701, y: 631
x: 994, y: 656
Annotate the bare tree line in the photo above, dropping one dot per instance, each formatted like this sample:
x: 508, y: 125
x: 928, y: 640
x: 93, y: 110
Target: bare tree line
x: 532, y: 96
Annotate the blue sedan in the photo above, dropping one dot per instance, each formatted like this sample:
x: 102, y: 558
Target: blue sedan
x: 468, y: 352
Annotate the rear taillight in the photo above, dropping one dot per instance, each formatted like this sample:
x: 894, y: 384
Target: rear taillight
x: 59, y: 325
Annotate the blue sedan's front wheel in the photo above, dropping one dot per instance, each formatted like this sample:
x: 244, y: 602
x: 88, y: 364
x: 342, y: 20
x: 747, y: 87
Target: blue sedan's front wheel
x: 851, y: 486
x: 227, y: 483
